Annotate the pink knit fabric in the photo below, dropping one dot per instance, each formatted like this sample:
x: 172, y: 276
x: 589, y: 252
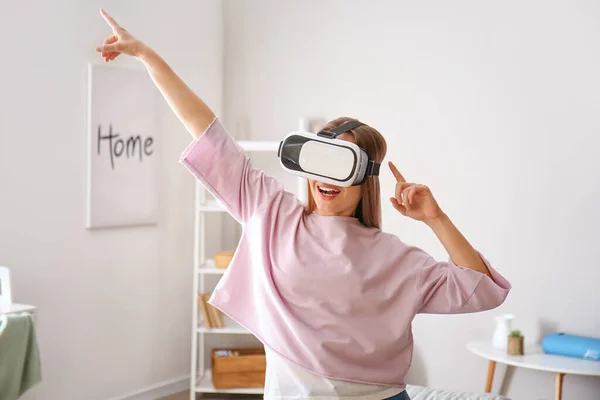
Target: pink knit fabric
x: 326, y: 293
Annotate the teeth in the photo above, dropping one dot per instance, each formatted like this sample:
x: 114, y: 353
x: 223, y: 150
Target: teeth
x: 328, y: 191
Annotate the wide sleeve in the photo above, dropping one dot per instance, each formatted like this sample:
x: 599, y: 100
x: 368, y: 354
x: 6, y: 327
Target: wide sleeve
x: 223, y: 168
x: 446, y: 288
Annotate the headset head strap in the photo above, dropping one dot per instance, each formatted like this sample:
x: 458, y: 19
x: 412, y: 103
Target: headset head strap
x: 343, y: 128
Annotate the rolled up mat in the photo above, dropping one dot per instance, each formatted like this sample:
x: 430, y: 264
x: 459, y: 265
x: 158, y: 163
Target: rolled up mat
x: 563, y: 344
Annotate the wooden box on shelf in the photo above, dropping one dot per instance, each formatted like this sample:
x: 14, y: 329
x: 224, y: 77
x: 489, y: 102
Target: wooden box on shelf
x: 243, y: 368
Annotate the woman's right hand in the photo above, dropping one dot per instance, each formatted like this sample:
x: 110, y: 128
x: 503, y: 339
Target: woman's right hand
x: 119, y: 42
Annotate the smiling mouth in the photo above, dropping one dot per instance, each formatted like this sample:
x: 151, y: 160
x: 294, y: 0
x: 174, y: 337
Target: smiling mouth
x: 328, y: 192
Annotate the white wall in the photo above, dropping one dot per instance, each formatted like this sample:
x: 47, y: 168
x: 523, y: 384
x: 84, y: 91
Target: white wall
x: 115, y: 305
x: 494, y: 105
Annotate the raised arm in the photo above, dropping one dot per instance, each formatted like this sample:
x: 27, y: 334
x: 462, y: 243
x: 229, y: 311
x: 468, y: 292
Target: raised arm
x: 195, y: 115
x: 465, y: 283
x: 213, y: 157
x: 417, y: 202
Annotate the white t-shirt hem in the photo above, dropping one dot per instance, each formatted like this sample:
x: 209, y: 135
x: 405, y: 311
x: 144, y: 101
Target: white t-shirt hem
x: 288, y: 381
x: 374, y: 396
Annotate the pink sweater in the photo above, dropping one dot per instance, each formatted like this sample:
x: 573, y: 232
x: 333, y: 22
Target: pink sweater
x: 326, y: 293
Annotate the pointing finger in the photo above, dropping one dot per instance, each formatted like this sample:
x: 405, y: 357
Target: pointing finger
x: 113, y: 24
x: 396, y: 173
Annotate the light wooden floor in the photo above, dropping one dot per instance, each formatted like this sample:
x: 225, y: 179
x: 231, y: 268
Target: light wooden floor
x: 186, y: 396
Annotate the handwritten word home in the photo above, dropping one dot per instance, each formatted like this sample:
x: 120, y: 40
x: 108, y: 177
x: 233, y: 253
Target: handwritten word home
x: 123, y: 146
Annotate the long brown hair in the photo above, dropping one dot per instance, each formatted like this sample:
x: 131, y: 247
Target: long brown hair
x: 368, y: 210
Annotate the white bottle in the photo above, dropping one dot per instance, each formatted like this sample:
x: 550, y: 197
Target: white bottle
x: 503, y: 329
x: 5, y: 296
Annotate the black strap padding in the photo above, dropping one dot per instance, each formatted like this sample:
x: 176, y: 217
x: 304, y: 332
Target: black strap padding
x: 343, y: 128
x: 373, y: 168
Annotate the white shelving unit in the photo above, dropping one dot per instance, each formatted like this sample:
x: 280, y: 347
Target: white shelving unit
x: 201, y: 381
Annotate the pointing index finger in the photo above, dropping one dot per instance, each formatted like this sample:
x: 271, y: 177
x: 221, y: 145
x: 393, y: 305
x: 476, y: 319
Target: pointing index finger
x: 396, y: 173
x: 113, y: 24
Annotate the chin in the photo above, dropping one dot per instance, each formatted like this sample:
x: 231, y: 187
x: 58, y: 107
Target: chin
x: 334, y: 200
x: 327, y: 209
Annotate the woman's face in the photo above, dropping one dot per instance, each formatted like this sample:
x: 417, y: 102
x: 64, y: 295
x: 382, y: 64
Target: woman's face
x: 333, y: 200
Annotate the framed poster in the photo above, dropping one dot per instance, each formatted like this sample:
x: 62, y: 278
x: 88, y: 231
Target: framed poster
x: 122, y: 147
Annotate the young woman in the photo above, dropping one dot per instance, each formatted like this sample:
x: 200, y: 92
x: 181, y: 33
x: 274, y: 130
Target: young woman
x: 330, y: 295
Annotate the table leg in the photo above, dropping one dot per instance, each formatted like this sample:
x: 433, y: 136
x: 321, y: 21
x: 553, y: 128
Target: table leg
x: 559, y: 382
x: 490, y: 378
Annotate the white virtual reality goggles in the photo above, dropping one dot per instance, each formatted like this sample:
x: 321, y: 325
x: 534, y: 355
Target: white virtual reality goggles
x: 324, y: 158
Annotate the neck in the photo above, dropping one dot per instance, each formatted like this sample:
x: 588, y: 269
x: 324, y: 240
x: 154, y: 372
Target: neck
x: 323, y: 213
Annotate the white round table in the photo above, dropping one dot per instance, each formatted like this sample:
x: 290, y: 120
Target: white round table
x: 534, y: 358
x: 16, y: 308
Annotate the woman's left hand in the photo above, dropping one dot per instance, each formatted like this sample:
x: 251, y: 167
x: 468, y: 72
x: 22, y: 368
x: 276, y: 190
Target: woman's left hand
x: 414, y: 200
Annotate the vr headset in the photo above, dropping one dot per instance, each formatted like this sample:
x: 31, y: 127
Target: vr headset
x: 324, y: 158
